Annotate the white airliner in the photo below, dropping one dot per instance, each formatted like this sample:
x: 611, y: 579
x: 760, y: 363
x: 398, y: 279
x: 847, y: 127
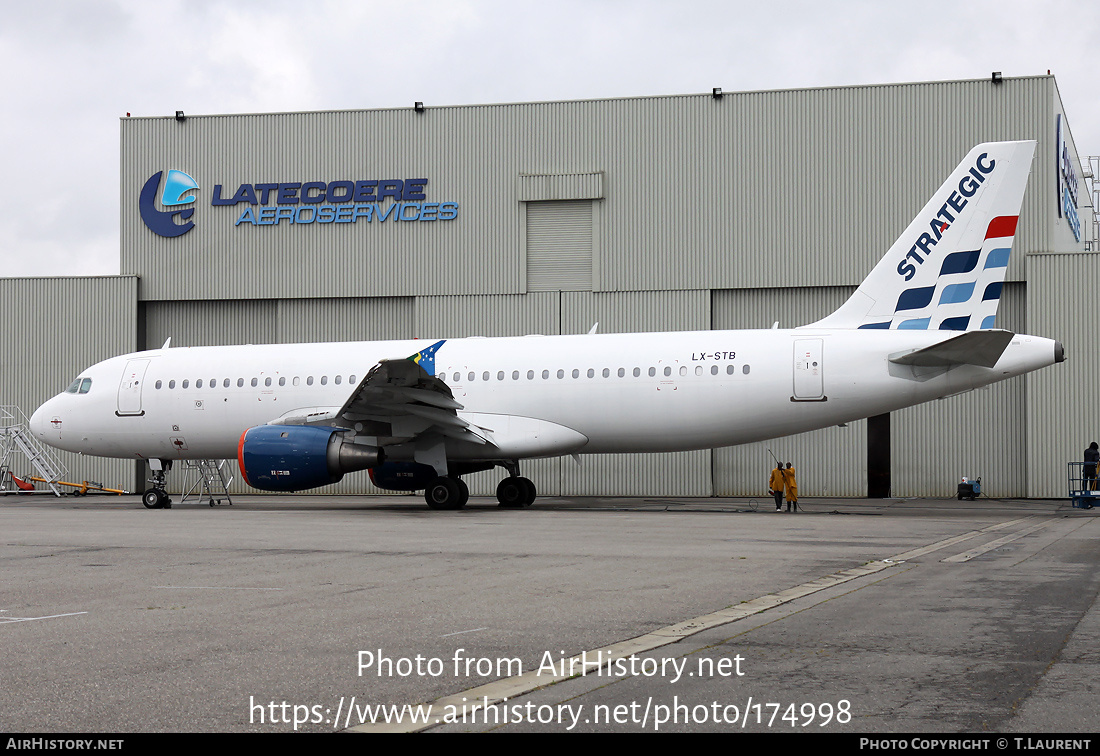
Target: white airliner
x: 298, y: 416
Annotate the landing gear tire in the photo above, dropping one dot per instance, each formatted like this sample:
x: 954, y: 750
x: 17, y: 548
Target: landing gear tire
x: 516, y: 493
x: 446, y: 493
x: 154, y: 498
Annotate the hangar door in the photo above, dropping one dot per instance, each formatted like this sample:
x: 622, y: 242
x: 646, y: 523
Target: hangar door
x: 559, y: 245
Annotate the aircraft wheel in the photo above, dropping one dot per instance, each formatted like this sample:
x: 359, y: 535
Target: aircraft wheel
x: 151, y: 499
x: 515, y: 493
x: 444, y: 493
x: 464, y: 493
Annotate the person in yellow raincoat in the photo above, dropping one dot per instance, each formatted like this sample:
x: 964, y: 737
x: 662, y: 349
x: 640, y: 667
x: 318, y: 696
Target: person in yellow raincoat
x: 791, y: 486
x: 776, y: 484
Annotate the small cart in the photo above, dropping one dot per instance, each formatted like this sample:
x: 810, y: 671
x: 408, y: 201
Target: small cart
x: 970, y: 489
x: 1082, y: 491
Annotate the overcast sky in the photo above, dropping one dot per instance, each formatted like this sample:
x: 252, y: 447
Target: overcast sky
x: 74, y: 68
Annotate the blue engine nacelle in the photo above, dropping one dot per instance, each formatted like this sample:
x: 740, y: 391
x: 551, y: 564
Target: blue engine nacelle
x: 403, y: 476
x: 296, y: 457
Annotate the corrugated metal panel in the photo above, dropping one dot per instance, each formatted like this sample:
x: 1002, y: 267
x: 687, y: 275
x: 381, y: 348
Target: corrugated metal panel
x: 214, y: 323
x: 756, y: 189
x: 51, y: 329
x: 562, y: 186
x: 635, y: 311
x: 514, y: 315
x: 365, y: 319
x: 1062, y: 400
x: 559, y: 246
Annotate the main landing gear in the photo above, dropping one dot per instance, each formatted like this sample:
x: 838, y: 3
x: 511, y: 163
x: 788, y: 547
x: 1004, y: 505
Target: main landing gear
x: 515, y: 492
x: 156, y: 497
x: 446, y: 492
x: 450, y: 492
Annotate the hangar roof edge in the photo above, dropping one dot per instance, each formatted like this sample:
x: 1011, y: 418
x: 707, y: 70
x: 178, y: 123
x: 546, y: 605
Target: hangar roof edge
x: 592, y: 99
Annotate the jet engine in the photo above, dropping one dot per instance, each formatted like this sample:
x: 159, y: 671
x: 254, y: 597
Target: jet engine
x: 296, y: 457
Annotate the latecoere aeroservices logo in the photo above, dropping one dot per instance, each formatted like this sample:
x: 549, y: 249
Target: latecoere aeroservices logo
x: 176, y: 190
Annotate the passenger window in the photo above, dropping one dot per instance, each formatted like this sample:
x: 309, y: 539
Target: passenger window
x: 698, y: 369
x: 485, y: 376
x: 561, y: 373
x: 637, y: 372
x: 324, y: 380
x: 338, y: 379
x: 683, y: 370
x: 744, y: 369
x: 729, y: 370
x: 530, y: 375
x: 714, y: 370
x: 515, y: 375
x: 198, y: 383
x: 652, y: 372
x: 240, y: 383
x: 309, y: 381
x: 668, y: 370
x: 500, y: 375
x: 171, y: 384
x: 255, y: 382
x: 282, y: 380
x: 267, y: 381
x: 185, y: 383
x: 470, y: 377
x: 158, y: 385
x: 576, y: 373
x: 456, y: 377
x: 545, y: 374
x: 351, y: 379
x: 296, y: 380
x: 591, y: 373
x: 225, y: 383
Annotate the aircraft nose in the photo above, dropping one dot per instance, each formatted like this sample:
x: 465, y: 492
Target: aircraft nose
x: 40, y: 420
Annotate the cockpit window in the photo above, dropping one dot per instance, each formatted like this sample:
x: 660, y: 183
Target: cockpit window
x: 79, y: 386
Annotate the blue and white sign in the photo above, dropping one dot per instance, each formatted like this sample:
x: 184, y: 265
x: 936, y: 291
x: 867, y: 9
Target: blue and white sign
x: 294, y: 203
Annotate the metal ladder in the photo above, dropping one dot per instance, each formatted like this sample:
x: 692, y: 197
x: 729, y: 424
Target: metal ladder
x: 211, y: 481
x: 14, y: 435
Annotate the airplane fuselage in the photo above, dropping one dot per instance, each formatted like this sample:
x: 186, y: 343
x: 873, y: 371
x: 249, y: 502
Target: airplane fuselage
x: 537, y: 395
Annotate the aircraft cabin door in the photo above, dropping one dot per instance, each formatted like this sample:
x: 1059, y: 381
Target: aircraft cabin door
x: 129, y: 389
x: 808, y: 371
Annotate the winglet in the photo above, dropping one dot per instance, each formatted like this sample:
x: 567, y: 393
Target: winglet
x: 425, y: 358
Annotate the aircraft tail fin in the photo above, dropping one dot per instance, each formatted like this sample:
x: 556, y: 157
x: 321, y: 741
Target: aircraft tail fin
x: 946, y: 271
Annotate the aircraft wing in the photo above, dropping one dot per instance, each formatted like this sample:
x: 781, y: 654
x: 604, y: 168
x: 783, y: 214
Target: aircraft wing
x: 396, y: 402
x: 401, y: 394
x: 982, y: 348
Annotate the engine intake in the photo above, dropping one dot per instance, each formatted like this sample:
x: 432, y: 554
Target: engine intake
x: 297, y: 457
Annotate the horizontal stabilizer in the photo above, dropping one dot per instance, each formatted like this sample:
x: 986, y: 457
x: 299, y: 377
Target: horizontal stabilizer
x: 981, y: 348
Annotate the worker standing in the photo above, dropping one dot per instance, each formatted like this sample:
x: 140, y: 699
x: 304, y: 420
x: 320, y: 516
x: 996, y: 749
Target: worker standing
x: 1088, y: 472
x: 776, y: 484
x: 791, y: 486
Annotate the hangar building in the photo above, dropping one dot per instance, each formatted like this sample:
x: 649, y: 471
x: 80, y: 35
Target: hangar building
x: 666, y: 213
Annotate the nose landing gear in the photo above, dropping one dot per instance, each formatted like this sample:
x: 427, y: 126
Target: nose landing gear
x: 157, y: 497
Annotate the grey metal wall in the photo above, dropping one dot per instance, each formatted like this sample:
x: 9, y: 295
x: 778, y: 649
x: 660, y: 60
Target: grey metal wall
x: 757, y: 189
x: 51, y: 329
x: 1063, y: 405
